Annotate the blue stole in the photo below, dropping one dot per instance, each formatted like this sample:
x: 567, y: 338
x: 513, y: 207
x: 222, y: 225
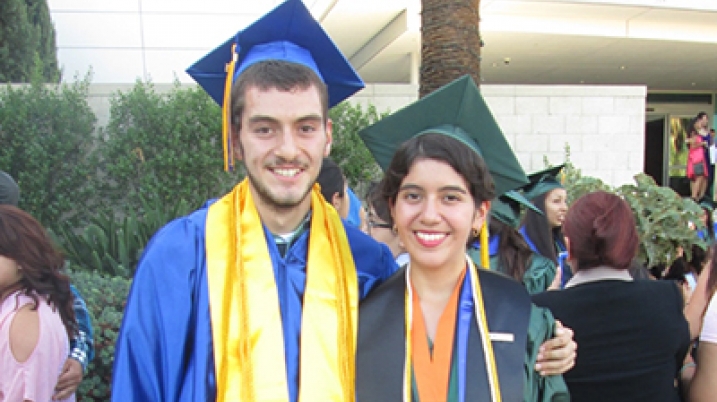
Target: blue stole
x: 527, y: 240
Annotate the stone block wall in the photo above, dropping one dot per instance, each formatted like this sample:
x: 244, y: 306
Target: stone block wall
x: 603, y: 125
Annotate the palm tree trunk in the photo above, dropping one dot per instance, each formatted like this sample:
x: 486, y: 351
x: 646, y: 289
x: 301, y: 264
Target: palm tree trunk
x: 450, y: 42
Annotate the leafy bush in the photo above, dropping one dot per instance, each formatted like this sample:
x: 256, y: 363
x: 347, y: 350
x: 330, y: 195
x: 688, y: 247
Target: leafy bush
x: 662, y: 217
x: 348, y: 150
x: 105, y: 297
x: 163, y: 148
x: 114, y: 246
x: 46, y: 134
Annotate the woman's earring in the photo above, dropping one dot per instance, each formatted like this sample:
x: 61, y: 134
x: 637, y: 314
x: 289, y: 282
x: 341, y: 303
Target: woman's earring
x: 394, y: 229
x: 475, y: 233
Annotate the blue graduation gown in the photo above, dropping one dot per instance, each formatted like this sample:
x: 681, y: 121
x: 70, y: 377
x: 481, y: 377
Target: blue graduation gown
x: 164, y: 350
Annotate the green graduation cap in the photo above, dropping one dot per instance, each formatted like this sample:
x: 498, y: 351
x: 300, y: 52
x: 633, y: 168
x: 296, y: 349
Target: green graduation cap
x: 707, y: 204
x: 457, y: 110
x: 506, y: 208
x: 9, y: 191
x: 543, y: 181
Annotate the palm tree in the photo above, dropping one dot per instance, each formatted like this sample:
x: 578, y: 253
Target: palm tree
x: 450, y: 42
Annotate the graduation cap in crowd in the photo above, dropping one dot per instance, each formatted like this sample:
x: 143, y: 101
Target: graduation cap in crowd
x: 287, y: 33
x: 9, y: 191
x: 456, y: 110
x: 506, y: 208
x: 542, y: 182
x: 707, y: 205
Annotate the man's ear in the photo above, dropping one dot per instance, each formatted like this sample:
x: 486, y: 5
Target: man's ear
x: 329, y: 136
x: 238, y: 151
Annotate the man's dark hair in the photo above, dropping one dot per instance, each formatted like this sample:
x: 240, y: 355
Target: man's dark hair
x: 701, y: 115
x: 331, y: 179
x: 275, y: 74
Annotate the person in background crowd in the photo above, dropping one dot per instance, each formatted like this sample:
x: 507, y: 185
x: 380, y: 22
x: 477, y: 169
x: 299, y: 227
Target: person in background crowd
x: 708, y: 233
x: 685, y: 271
x: 695, y: 312
x: 509, y: 253
x: 82, y: 349
x: 430, y: 333
x: 708, y: 140
x: 697, y: 169
x: 543, y: 233
x: 380, y: 224
x: 703, y: 386
x: 357, y: 214
x: 632, y: 334
x: 36, y: 310
x: 333, y: 187
x: 254, y: 297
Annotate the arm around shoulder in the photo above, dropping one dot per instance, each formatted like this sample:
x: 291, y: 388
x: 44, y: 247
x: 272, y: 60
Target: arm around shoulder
x: 550, y: 352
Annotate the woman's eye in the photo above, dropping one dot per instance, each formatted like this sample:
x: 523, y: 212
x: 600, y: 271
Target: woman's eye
x: 411, y: 196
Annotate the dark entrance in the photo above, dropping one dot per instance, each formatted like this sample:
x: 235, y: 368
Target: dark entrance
x: 655, y: 148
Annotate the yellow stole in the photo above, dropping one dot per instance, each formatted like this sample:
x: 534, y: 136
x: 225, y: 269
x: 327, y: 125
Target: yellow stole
x: 244, y: 305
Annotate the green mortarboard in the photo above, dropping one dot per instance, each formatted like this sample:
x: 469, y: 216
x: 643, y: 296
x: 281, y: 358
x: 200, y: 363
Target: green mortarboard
x: 457, y: 110
x: 506, y: 208
x: 707, y: 204
x: 543, y: 181
x: 9, y: 191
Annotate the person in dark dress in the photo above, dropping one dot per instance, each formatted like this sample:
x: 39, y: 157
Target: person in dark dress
x: 633, y: 335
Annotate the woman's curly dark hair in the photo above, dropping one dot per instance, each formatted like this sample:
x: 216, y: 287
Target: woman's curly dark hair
x: 25, y: 241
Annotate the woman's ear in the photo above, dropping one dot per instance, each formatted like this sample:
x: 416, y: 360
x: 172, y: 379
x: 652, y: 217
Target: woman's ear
x: 481, y: 215
x: 569, y: 258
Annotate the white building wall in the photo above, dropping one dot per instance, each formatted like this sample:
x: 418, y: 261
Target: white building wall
x: 603, y: 125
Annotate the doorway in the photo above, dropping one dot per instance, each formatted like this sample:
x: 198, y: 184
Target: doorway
x: 654, y: 157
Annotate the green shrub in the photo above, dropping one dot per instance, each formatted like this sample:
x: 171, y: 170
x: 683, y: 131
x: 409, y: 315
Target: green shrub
x: 46, y: 137
x: 113, y: 246
x: 105, y: 297
x: 162, y: 148
x: 348, y: 150
x: 662, y: 217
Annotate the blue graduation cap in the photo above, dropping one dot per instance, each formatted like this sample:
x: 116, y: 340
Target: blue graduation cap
x: 288, y: 33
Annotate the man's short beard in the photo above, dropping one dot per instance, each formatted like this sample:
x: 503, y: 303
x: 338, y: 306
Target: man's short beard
x: 267, y: 199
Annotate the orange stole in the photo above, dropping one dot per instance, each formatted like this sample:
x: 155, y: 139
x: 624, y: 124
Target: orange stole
x: 433, y: 373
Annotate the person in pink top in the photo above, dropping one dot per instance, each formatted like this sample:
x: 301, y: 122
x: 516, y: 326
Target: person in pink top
x: 36, y: 312
x: 696, y: 164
